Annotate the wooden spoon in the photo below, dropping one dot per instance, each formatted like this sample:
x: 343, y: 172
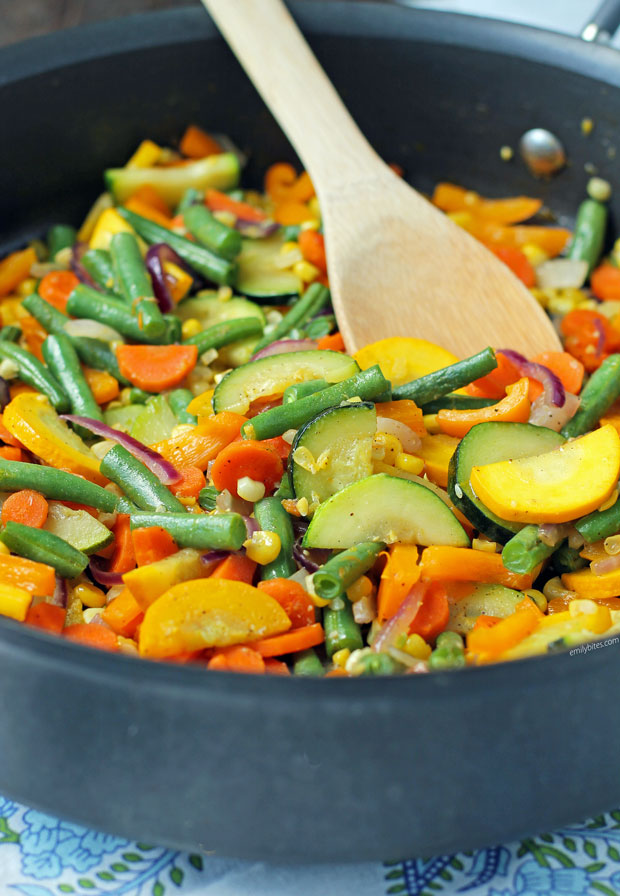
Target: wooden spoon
x: 397, y: 266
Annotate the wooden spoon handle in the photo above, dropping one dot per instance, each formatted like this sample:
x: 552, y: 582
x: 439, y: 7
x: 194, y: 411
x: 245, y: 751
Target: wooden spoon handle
x: 283, y: 68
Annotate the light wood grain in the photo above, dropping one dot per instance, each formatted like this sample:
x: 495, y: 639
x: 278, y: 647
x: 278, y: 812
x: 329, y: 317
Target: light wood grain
x: 397, y: 265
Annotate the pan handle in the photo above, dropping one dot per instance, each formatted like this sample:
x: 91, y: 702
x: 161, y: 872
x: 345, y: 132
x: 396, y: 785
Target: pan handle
x: 603, y: 23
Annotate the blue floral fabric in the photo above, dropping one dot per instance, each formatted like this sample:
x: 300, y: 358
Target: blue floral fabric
x: 42, y: 856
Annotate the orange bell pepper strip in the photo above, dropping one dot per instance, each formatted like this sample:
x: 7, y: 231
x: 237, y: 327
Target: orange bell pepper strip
x: 151, y: 544
x: 404, y: 411
x: 291, y: 212
x: 37, y: 578
x: 49, y: 617
x: 15, y: 268
x: 123, y: 614
x: 196, y: 143
x: 551, y: 239
x: 487, y: 644
x: 238, y: 658
x: 400, y: 574
x: 441, y: 563
x: 221, y: 202
x: 102, y: 384
x: 515, y: 408
x: 494, y: 384
x: 333, y: 341
x: 56, y: 287
x: 124, y: 556
x: 283, y: 185
x: 34, y: 335
x: 197, y: 445
x: 450, y: 198
x: 433, y: 614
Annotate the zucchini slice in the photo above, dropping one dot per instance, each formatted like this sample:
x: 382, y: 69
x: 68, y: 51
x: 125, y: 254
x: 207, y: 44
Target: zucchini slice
x: 219, y: 172
x: 492, y: 600
x: 259, y: 276
x: 488, y: 443
x: 384, y: 508
x: 332, y: 451
x: 77, y: 527
x: 208, y: 309
x: 271, y: 375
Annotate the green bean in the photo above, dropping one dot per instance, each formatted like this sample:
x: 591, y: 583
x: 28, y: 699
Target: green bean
x: 61, y: 358
x: 284, y: 490
x: 139, y: 484
x: 220, y: 270
x: 307, y: 664
x: 225, y: 332
x: 53, y: 483
x: 44, y: 547
x: 32, y: 372
x: 589, y: 233
x: 341, y: 630
x: 301, y: 390
x: 178, y: 400
x: 60, y: 236
x: 189, y: 197
x: 50, y: 318
x: 450, y: 640
x: 344, y: 568
x: 567, y: 559
x: 378, y: 664
x: 98, y: 264
x: 10, y: 333
x: 126, y: 506
x: 525, y: 551
x: 272, y: 517
x: 135, y: 283
x: 87, y: 302
x: 207, y: 497
x: 367, y: 385
x: 226, y: 241
x: 319, y: 326
x: 597, y: 396
x: 217, y: 532
x: 455, y: 402
x: 445, y: 658
x: 315, y: 298
x: 435, y: 385
x: 600, y: 523
x: 291, y: 232
x: 174, y: 329
x: 138, y: 396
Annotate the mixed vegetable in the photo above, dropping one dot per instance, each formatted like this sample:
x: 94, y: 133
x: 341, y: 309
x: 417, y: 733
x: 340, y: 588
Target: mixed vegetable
x: 193, y: 469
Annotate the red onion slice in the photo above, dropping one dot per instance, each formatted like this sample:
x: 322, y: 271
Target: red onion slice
x: 163, y: 469
x: 154, y: 260
x: 282, y: 346
x: 256, y: 229
x: 103, y: 576
x: 310, y: 560
x: 5, y: 395
x: 78, y: 268
x: 59, y: 598
x: 400, y: 622
x: 554, y: 390
x: 213, y: 557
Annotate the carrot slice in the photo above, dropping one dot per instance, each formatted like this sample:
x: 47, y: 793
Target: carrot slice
x: 312, y: 245
x: 151, y: 544
x: 246, y: 458
x: 124, y: 557
x: 276, y: 667
x: 236, y: 568
x: 56, y: 287
x: 191, y: 482
x: 220, y: 202
x: 156, y: 367
x: 517, y: 261
x: 291, y: 641
x: 294, y: 600
x: 237, y: 659
x: 569, y: 370
x: 333, y: 341
x: 27, y: 507
x: 605, y: 282
x: 123, y: 614
x: 49, y: 617
x: 102, y: 384
x: 92, y: 634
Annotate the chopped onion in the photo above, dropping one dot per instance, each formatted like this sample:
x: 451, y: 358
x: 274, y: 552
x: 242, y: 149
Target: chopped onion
x: 163, y: 469
x: 282, y: 346
x: 103, y: 576
x: 543, y: 414
x: 154, y: 261
x: 562, y: 273
x: 59, y: 598
x: 93, y: 329
x: 409, y: 439
x: 606, y: 564
x: 552, y: 533
x: 400, y: 622
x: 554, y: 390
x: 257, y: 230
x: 251, y: 526
x: 78, y: 268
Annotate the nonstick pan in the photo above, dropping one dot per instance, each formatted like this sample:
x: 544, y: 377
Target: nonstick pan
x: 287, y: 769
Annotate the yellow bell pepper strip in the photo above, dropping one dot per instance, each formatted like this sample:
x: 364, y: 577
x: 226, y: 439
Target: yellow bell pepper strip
x: 487, y: 644
x: 148, y: 583
x: 15, y: 268
x: 31, y: 419
x: 515, y: 408
x: 436, y: 452
x: 588, y: 584
x: 403, y: 359
x: 450, y: 198
x: 14, y: 602
x: 554, y: 487
x: 209, y: 613
x: 440, y: 563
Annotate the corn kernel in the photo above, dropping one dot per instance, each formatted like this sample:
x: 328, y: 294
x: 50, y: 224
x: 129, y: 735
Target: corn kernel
x: 189, y: 501
x: 587, y: 126
x: 561, y: 301
x: 362, y: 587
x: 483, y: 544
x: 306, y: 271
x: 391, y: 447
x: 541, y: 296
x: 263, y: 547
x: 27, y: 286
x: 534, y: 254
x: 315, y: 208
x: 191, y: 327
x: 90, y: 596
x: 416, y: 646
x: 91, y: 613
x: 289, y: 246
x: 340, y: 657
x: 303, y: 506
x: 596, y: 618
x: 14, y: 602
x: 430, y: 423
x: 409, y: 463
x: 506, y: 153
x: 599, y: 189
x: 225, y: 217
x: 250, y: 490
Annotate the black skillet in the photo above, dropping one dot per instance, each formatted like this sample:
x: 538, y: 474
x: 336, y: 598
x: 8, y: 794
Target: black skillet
x: 286, y: 769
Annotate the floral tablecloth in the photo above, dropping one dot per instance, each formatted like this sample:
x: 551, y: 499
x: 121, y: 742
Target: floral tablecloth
x: 42, y: 856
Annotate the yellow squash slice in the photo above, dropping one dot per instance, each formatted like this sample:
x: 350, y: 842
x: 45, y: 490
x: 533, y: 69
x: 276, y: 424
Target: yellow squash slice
x: 402, y: 358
